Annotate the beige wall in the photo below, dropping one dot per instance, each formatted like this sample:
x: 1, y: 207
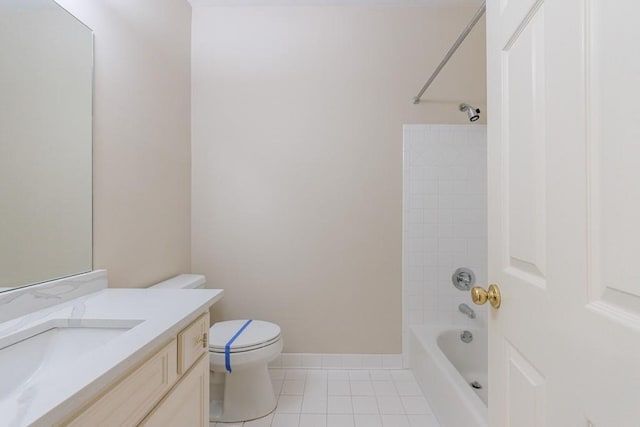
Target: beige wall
x: 141, y: 137
x: 297, y: 159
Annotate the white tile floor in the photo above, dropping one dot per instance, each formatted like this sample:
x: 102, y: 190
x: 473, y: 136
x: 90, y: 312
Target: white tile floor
x: 343, y: 398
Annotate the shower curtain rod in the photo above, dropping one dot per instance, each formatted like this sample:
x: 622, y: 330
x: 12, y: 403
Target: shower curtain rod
x: 452, y: 50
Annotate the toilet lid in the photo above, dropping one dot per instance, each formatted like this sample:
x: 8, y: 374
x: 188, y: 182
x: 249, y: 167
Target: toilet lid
x: 256, y: 335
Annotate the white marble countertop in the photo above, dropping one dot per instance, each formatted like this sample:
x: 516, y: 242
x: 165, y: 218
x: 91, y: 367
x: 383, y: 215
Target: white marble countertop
x: 55, y: 395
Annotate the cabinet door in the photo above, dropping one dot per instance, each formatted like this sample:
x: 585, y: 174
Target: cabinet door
x: 187, y: 405
x: 130, y: 400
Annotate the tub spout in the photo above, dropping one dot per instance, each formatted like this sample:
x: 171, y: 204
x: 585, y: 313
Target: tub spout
x: 465, y: 309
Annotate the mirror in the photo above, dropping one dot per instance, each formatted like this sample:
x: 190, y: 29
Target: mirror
x: 46, y: 78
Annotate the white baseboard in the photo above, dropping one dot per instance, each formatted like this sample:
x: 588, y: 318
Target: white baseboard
x: 338, y: 361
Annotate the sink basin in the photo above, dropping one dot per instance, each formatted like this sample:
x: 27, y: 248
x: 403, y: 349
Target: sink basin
x: 49, y: 346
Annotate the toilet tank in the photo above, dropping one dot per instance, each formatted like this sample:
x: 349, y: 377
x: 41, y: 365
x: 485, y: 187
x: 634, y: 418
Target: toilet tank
x: 183, y: 281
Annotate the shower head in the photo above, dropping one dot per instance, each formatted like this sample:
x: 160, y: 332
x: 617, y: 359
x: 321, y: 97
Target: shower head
x: 473, y: 113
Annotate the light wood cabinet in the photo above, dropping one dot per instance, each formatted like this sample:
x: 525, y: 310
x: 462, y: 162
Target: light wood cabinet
x: 170, y: 388
x: 188, y: 402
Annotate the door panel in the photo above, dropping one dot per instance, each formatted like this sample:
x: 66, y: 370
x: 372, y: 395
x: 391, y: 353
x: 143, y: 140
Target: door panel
x: 523, y: 139
x: 525, y: 392
x: 614, y: 144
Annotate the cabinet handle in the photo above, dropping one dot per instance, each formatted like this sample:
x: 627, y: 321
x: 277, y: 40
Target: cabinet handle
x: 202, y: 340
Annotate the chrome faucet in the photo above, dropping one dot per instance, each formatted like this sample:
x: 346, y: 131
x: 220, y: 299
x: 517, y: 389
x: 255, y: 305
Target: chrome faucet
x: 465, y: 309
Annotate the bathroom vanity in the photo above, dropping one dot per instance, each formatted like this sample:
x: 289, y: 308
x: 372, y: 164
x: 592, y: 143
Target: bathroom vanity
x: 110, y: 357
x: 73, y: 352
x: 170, y: 388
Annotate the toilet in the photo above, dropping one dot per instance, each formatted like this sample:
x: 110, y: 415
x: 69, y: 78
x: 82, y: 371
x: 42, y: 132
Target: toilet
x: 239, y: 355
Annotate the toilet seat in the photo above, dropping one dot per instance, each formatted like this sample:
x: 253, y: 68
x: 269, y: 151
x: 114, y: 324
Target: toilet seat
x: 256, y: 335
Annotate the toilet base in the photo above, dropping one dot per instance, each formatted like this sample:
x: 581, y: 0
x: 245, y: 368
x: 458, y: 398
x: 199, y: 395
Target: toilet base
x: 248, y: 394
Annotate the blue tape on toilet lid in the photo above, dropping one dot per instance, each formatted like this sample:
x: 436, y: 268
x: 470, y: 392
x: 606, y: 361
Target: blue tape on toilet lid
x: 256, y: 335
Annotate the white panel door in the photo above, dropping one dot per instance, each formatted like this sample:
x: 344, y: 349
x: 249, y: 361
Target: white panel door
x: 564, y: 212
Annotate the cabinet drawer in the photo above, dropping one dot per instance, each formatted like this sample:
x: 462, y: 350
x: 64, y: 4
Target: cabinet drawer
x: 193, y: 342
x: 128, y: 402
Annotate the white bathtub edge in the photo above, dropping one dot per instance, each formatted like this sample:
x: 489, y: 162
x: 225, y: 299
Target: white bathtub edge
x: 453, y: 402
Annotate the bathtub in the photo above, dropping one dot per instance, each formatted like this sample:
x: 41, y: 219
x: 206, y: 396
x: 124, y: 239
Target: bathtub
x: 444, y: 366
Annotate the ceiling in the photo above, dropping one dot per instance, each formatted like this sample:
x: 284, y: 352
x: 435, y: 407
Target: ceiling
x: 333, y: 2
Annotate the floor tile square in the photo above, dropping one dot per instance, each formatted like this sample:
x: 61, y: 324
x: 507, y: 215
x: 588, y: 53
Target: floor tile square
x: 294, y: 387
x: 364, y: 405
x: 312, y: 405
x: 335, y: 420
x: 361, y: 388
x: 338, y: 388
x: 359, y: 375
x: 316, y: 385
x: 338, y: 375
x: 395, y: 421
x: 402, y: 375
x: 285, y: 420
x: 340, y: 405
x: 317, y: 374
x: 289, y: 404
x: 380, y: 375
x: 415, y: 405
x: 384, y: 388
x: 390, y: 405
x: 296, y: 374
x: 369, y: 420
x: 423, y: 421
x: 313, y: 420
x: 408, y: 388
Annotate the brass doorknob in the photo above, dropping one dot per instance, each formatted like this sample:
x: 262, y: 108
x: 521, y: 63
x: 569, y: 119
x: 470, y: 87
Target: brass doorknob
x: 480, y: 296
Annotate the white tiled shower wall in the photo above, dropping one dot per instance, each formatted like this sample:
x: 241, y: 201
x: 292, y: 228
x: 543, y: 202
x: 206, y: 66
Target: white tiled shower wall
x: 444, y: 222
